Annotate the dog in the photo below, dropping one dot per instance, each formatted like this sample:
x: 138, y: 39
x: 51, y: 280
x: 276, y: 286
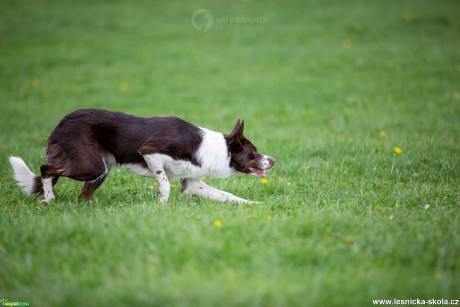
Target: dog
x: 87, y: 143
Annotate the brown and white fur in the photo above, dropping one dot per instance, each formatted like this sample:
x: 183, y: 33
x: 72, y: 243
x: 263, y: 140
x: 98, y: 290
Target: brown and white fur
x: 87, y: 143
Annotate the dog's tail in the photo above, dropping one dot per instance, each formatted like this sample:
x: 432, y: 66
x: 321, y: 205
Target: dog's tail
x: 27, y: 181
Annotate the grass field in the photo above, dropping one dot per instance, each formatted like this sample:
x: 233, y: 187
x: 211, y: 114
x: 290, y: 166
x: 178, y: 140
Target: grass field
x: 329, y: 89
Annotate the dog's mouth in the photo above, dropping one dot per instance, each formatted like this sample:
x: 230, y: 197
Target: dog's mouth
x: 255, y: 171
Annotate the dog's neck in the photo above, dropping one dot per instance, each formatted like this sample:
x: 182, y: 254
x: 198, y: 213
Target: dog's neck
x: 213, y: 154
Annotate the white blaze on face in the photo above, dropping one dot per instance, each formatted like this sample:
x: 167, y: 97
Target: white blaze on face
x: 267, y: 162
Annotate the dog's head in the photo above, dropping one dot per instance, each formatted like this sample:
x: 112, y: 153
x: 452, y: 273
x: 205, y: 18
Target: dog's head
x: 244, y: 157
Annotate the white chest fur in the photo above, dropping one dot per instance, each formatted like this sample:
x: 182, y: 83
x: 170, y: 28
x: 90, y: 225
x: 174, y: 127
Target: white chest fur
x: 213, y: 155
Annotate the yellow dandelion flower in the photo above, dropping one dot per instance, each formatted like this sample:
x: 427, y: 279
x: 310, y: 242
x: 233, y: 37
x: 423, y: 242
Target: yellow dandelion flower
x: 35, y: 82
x: 203, y: 178
x: 350, y: 240
x: 144, y: 56
x: 346, y: 43
x: 397, y: 150
x: 448, y: 19
x: 359, y: 27
x: 122, y: 86
x: 62, y: 46
x: 382, y: 133
x: 338, y: 62
x: 218, y: 223
x: 437, y: 275
x: 390, y: 64
x: 179, y: 75
x: 269, y: 217
x: 407, y: 16
x: 264, y: 181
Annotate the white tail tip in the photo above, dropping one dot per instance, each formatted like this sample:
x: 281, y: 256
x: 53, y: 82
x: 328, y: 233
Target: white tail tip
x: 22, y: 174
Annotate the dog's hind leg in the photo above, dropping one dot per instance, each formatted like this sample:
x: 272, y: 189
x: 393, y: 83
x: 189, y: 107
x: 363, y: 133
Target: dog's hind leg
x: 86, y: 164
x: 93, y: 175
x: 90, y: 187
x: 49, y: 177
x: 196, y: 187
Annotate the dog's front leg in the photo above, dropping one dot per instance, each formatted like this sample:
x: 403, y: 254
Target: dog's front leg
x: 199, y: 188
x: 156, y: 166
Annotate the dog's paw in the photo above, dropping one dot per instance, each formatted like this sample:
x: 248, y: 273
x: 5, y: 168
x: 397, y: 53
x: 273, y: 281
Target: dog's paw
x: 46, y: 201
x: 163, y: 199
x: 252, y: 202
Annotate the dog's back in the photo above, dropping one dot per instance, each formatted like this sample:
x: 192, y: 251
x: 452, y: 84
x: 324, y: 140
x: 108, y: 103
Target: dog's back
x: 92, y: 132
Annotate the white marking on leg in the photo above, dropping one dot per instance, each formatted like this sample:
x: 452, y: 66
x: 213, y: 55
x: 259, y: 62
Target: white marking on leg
x: 47, y: 190
x: 199, y: 188
x: 156, y: 165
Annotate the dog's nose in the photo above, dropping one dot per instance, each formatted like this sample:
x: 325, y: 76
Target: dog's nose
x: 271, y: 161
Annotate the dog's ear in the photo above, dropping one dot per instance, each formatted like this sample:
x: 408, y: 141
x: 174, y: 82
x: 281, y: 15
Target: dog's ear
x: 238, y: 129
x: 235, y: 138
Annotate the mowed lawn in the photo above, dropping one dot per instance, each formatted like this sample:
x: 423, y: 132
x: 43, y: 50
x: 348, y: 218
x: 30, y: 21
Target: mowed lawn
x: 358, y: 101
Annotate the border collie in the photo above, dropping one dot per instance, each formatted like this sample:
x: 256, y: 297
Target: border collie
x: 87, y: 143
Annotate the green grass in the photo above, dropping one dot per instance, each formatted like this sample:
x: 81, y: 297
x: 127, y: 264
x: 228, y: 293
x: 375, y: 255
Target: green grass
x: 344, y: 219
